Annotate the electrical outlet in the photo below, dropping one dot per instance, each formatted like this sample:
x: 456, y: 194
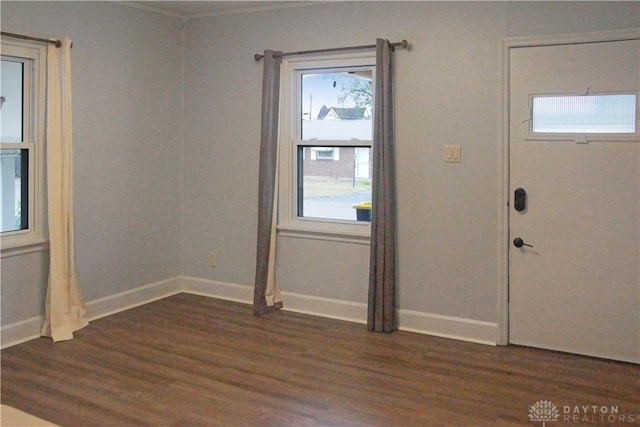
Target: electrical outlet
x: 213, y: 260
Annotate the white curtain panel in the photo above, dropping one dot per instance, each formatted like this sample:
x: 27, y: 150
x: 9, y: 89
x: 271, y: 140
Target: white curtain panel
x: 65, y: 311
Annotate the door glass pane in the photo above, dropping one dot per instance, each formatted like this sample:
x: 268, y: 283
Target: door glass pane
x: 13, y: 167
x: 337, y: 105
x: 584, y: 114
x: 334, y: 182
x: 11, y: 87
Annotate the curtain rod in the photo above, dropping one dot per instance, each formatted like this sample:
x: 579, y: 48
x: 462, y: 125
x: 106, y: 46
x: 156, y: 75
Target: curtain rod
x: 58, y: 43
x: 403, y: 44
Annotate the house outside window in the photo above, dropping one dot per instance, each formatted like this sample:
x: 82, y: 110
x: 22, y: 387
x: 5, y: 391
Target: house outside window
x: 22, y: 110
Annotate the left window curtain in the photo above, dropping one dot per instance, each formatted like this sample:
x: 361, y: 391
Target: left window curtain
x: 266, y: 296
x: 65, y: 311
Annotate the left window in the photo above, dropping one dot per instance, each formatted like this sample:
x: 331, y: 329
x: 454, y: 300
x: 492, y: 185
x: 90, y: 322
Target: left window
x: 22, y: 128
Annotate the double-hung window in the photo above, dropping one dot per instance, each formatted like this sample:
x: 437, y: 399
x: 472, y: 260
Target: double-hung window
x: 326, y: 139
x: 22, y: 109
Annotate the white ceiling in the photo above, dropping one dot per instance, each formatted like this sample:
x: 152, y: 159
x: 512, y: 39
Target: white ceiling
x: 194, y: 9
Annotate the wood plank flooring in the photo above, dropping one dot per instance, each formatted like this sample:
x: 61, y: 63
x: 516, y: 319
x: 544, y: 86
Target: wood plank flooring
x: 189, y: 360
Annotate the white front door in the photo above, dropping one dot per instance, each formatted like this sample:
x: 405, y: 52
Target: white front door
x: 576, y: 169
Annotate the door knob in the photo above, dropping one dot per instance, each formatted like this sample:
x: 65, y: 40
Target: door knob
x: 518, y: 243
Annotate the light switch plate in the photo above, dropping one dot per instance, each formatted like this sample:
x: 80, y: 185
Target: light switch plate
x: 452, y: 153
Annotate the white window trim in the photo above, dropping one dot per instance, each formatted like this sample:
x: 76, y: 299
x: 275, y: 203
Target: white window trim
x: 289, y: 224
x: 34, y: 238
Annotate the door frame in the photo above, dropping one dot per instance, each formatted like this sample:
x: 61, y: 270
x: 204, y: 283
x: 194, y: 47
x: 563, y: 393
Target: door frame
x: 502, y: 337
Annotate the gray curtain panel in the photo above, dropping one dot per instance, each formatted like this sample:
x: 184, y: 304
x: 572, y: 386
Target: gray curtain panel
x: 267, y: 180
x: 382, y: 312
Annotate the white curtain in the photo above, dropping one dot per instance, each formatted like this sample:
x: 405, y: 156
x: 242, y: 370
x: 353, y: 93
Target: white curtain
x: 65, y: 311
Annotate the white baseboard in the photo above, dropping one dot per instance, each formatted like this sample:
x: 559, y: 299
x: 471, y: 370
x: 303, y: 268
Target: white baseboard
x: 19, y: 332
x: 299, y: 303
x: 126, y: 300
x: 215, y: 289
x: 412, y: 321
x: 449, y: 327
x: 29, y: 329
x: 325, y: 307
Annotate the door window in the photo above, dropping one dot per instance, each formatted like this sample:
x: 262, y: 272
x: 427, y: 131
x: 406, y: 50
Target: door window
x: 584, y: 114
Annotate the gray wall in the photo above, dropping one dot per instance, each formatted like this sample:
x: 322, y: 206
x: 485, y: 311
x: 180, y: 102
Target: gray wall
x: 156, y: 184
x: 447, y: 91
x: 126, y: 69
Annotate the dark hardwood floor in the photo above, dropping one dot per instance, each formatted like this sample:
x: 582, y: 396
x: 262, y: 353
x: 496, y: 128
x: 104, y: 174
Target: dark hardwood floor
x: 188, y: 360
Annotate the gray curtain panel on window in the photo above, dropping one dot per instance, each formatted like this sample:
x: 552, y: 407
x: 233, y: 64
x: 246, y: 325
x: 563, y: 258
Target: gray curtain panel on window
x: 266, y: 295
x: 382, y: 312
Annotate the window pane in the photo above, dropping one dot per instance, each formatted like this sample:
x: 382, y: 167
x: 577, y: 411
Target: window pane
x: 337, y: 105
x: 14, y: 164
x: 12, y: 98
x: 584, y: 114
x: 332, y: 184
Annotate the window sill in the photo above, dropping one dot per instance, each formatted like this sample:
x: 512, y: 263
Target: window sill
x: 359, y: 234
x: 15, y: 247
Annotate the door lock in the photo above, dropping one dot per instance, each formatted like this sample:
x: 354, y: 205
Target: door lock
x: 518, y: 243
x: 520, y: 199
